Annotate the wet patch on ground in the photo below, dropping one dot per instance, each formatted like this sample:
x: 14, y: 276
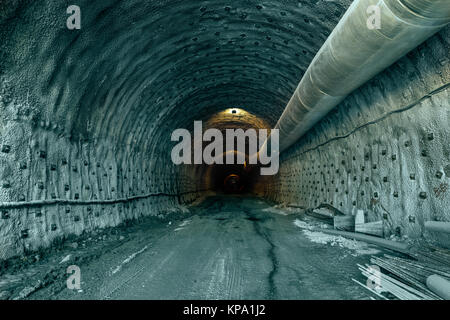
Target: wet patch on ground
x: 253, y: 219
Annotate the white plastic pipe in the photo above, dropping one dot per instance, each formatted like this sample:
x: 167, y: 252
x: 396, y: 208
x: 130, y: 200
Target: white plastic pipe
x: 439, y: 286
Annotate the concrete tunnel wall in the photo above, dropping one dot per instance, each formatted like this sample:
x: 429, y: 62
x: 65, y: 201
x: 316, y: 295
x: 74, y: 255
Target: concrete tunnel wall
x: 86, y: 115
x: 385, y: 149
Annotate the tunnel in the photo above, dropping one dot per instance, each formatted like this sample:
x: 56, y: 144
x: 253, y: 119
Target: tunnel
x: 91, y: 91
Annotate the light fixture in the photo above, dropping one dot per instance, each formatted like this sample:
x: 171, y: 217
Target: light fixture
x: 235, y: 111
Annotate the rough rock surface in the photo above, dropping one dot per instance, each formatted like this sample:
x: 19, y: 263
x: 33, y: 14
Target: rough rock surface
x: 86, y: 115
x: 384, y: 149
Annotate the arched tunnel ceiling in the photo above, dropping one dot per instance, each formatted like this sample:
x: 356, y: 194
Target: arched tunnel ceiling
x: 136, y: 66
x: 86, y: 116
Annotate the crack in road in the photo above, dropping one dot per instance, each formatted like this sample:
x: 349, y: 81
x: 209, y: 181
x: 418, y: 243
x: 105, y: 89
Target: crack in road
x: 272, y: 294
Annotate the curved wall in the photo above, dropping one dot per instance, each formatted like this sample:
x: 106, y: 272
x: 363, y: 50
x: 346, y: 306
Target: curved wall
x: 384, y: 150
x: 86, y: 115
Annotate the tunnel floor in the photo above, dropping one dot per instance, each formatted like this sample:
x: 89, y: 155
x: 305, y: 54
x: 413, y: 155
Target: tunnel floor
x: 229, y: 247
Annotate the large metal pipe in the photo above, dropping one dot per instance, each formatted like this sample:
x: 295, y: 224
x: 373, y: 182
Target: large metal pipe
x: 354, y: 53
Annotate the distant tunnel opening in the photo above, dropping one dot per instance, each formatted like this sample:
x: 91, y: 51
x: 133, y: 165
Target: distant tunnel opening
x: 233, y: 183
x: 231, y: 178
